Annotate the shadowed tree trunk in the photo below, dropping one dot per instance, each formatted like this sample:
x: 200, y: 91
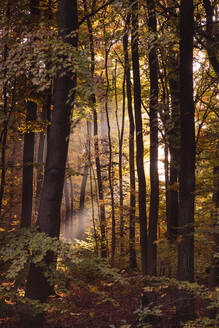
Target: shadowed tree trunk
x: 132, y: 255
x: 174, y: 144
x: 4, y: 132
x: 213, y: 279
x: 37, y: 286
x: 110, y: 165
x: 139, y: 136
x: 120, y: 132
x: 187, y: 161
x: 28, y: 157
x: 42, y: 137
x: 154, y: 196
x: 212, y: 40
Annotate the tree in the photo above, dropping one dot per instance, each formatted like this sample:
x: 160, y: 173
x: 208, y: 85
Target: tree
x: 187, y: 157
x: 133, y: 263
x: 139, y: 135
x: 37, y: 286
x: 28, y: 159
x: 154, y: 196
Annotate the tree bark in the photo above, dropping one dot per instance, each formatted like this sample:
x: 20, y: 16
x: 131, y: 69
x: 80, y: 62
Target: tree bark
x: 212, y: 40
x: 4, y: 133
x: 132, y: 256
x: 154, y: 195
x: 187, y: 160
x: 37, y: 286
x: 110, y: 165
x: 139, y: 137
x: 213, y: 279
x: 174, y: 145
x: 28, y: 157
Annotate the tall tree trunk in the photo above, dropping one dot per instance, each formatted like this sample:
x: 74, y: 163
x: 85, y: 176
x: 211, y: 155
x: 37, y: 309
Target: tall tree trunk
x: 37, y: 286
x: 96, y: 145
x: 132, y: 259
x: 4, y: 133
x: 187, y: 159
x: 154, y: 196
x: 28, y: 157
x: 174, y: 145
x: 110, y: 165
x: 120, y: 132
x: 139, y: 136
x: 42, y: 137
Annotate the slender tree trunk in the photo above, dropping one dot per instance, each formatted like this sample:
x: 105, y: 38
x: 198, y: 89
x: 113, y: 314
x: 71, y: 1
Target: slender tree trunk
x: 154, y: 196
x: 174, y: 145
x: 67, y: 212
x: 110, y: 166
x: 132, y: 259
x: 187, y: 159
x: 37, y: 286
x: 40, y: 163
x: 71, y: 203
x: 120, y: 132
x: 96, y: 145
x: 139, y: 136
x: 83, y: 184
x: 28, y: 158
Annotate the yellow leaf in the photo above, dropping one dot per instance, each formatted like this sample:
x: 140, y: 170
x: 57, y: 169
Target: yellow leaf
x: 2, y: 229
x: 93, y: 289
x: 91, y: 314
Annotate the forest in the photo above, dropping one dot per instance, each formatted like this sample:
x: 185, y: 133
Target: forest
x: 109, y: 163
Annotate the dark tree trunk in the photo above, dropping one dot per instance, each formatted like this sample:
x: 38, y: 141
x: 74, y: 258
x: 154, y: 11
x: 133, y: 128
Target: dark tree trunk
x: 212, y: 40
x: 40, y: 164
x: 28, y: 158
x: 71, y: 203
x: 110, y: 165
x: 174, y: 144
x: 139, y: 136
x: 120, y: 139
x: 213, y: 279
x: 96, y: 146
x: 172, y: 223
x: 154, y: 196
x: 37, y: 286
x: 187, y: 160
x: 121, y: 212
x: 133, y: 263
x: 187, y: 150
x: 4, y: 133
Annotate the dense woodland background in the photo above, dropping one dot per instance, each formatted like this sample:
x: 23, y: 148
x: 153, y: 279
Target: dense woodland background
x: 109, y: 163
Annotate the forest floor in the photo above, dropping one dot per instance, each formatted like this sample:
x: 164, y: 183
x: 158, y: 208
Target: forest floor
x: 105, y: 305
